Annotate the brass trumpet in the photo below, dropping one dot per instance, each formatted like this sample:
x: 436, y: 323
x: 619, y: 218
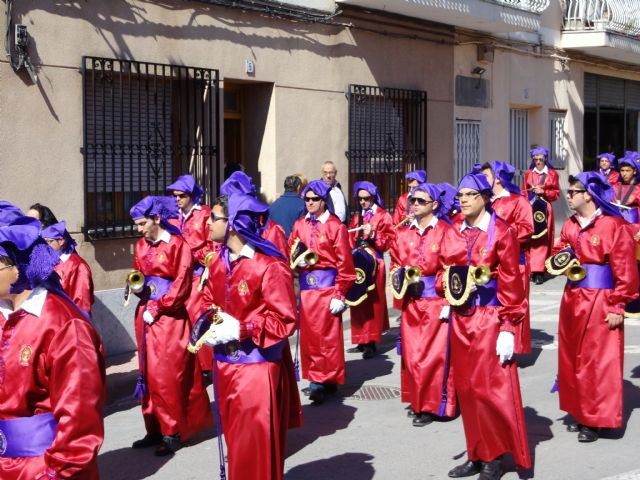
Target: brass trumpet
x: 412, y: 275
x: 576, y: 273
x: 135, y: 280
x: 205, y: 275
x: 311, y: 258
x: 481, y: 275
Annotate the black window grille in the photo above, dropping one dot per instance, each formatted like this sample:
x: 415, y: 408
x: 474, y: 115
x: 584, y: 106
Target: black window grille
x: 144, y: 125
x: 387, y: 138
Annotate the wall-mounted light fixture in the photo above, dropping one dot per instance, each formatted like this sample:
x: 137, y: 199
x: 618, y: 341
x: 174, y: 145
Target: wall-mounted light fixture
x: 478, y: 71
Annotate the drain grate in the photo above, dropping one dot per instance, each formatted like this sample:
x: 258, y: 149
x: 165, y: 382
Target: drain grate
x: 369, y: 392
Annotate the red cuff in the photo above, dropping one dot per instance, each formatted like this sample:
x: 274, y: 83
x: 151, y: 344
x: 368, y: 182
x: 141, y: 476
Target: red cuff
x: 337, y: 294
x: 152, y: 308
x: 246, y: 330
x: 507, y: 326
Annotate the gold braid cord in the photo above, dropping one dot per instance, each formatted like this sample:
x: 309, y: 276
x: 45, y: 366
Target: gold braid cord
x: 559, y: 263
x: 215, y: 319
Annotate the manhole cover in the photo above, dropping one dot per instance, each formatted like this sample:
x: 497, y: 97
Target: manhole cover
x: 369, y: 392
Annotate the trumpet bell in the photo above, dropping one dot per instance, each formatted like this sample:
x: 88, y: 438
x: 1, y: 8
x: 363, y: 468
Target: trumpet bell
x: 576, y: 273
x: 311, y: 258
x: 135, y: 280
x: 482, y: 275
x: 412, y: 274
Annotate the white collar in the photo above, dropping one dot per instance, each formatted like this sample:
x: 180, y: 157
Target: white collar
x: 164, y: 237
x: 188, y: 214
x: 322, y: 218
x: 482, y: 225
x: 503, y: 194
x: 374, y: 208
x: 33, y: 304
x: 247, y: 251
x: 540, y: 172
x: 64, y: 257
x: 432, y: 223
x: 585, y: 222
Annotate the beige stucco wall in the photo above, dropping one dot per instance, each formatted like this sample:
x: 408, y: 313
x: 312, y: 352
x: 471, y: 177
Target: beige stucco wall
x: 309, y: 67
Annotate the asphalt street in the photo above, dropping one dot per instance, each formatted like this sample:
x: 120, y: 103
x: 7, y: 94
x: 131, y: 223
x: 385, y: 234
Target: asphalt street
x: 363, y: 433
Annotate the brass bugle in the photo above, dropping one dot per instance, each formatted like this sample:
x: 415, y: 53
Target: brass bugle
x: 404, y: 220
x: 481, y: 275
x: 311, y: 258
x: 207, y: 259
x: 575, y: 273
x: 412, y: 275
x: 135, y: 280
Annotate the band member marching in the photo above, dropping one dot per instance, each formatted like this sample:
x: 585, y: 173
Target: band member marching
x: 74, y: 272
x: 253, y: 295
x: 323, y: 286
x: 541, y: 186
x: 174, y: 402
x: 370, y: 227
x: 513, y: 208
x: 52, y: 368
x: 626, y: 190
x: 403, y: 208
x: 607, y: 167
x: 425, y: 336
x: 591, y: 335
x: 482, y: 282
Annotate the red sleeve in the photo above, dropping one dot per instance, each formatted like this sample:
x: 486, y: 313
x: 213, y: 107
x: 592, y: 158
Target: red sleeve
x: 510, y: 287
x: 77, y: 391
x: 552, y: 186
x: 526, y: 183
x: 353, y: 235
x: 277, y: 320
x: 523, y: 221
x: 621, y: 256
x: 278, y: 238
x: 201, y: 244
x: 80, y: 286
x: 401, y: 209
x: 180, y: 287
x: 384, y: 233
x: 344, y: 262
x: 563, y: 242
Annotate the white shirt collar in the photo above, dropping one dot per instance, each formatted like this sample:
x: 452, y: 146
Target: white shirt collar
x: 33, y: 304
x: 482, y: 225
x: 432, y: 223
x: 164, y: 237
x: 544, y: 170
x: 64, y: 257
x: 188, y: 214
x: 247, y: 251
x: 585, y: 222
x: 322, y: 218
x: 503, y: 194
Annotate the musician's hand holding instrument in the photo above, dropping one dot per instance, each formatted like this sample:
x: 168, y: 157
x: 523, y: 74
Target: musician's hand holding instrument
x: 227, y: 330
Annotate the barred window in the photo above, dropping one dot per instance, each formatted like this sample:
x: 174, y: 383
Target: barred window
x: 387, y: 138
x: 144, y: 125
x: 467, y: 146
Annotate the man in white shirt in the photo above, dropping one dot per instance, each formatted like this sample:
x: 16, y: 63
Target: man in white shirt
x: 336, y: 202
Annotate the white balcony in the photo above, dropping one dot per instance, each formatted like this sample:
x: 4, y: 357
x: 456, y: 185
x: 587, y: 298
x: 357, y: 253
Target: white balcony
x: 484, y: 15
x: 603, y: 28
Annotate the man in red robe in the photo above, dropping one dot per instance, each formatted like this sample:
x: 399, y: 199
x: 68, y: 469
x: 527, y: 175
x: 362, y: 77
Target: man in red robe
x: 175, y: 404
x: 607, y: 163
x: 323, y: 286
x: 424, y: 327
x: 74, y: 272
x: 509, y: 204
x: 403, y: 209
x: 541, y: 186
x: 591, y: 335
x: 52, y: 370
x: 192, y: 222
x: 257, y: 394
x: 627, y: 190
x: 371, y: 227
x: 484, y: 319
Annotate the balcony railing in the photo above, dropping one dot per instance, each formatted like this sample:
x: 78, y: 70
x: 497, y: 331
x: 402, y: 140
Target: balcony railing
x: 534, y: 6
x: 620, y: 16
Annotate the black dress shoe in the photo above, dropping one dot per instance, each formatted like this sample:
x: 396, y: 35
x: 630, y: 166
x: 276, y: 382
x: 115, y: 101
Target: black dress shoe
x: 170, y: 444
x: 588, y: 434
x: 423, y: 418
x: 411, y: 413
x: 491, y: 470
x: 330, y: 388
x: 305, y: 391
x: 356, y: 349
x: 369, y: 351
x: 317, y: 393
x: 538, y: 278
x: 573, y: 427
x: 149, y: 440
x: 467, y: 469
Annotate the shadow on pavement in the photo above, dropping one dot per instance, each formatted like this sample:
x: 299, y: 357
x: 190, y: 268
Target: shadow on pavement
x: 635, y: 373
x: 538, y: 339
x: 538, y: 431
x: 320, y: 421
x: 341, y: 467
x: 129, y: 464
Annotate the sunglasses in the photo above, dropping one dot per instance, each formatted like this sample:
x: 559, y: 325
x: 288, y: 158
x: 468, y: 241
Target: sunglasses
x: 312, y: 199
x: 460, y: 196
x: 215, y: 218
x: 364, y: 199
x: 571, y: 192
x: 181, y: 195
x: 421, y: 201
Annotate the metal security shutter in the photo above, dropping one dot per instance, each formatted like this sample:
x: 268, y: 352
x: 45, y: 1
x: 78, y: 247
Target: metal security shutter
x: 557, y: 138
x: 467, y: 146
x: 519, y: 139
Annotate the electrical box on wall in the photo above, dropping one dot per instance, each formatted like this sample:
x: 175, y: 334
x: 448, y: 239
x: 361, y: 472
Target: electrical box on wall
x: 485, y: 53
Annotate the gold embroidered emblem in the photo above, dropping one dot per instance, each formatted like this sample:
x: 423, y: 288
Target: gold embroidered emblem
x: 456, y: 284
x: 562, y: 259
x: 161, y: 257
x: 25, y: 355
x: 483, y: 252
x: 435, y: 247
x: 322, y: 237
x: 243, y: 288
x: 312, y: 281
x: 360, y: 276
x: 595, y: 240
x: 539, y: 217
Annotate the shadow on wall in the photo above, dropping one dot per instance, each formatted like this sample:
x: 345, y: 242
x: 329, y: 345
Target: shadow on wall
x: 114, y: 321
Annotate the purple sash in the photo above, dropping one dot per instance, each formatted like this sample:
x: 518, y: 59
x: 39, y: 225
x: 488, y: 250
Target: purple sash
x: 27, y: 436
x: 598, y: 277
x: 197, y: 270
x: 158, y: 286
x: 316, y: 279
x: 246, y: 352
x: 425, y: 288
x: 487, y: 295
x: 631, y: 216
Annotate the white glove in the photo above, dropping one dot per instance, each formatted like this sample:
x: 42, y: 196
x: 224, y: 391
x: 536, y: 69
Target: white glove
x: 147, y: 317
x: 225, y: 332
x: 337, y: 306
x: 504, y: 346
x: 445, y: 312
x: 302, y: 264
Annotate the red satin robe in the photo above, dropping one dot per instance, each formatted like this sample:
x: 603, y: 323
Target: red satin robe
x: 258, y: 402
x: 54, y: 363
x: 321, y: 336
x: 590, y: 356
x: 424, y: 337
x: 630, y: 199
x: 275, y: 234
x: 196, y: 233
x: 76, y: 281
x: 371, y: 317
x: 177, y: 401
x: 492, y: 412
x: 613, y: 177
x: 517, y: 212
x: 401, y: 208
x: 541, y: 247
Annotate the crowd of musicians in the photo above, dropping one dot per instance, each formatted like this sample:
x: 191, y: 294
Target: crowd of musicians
x: 221, y: 288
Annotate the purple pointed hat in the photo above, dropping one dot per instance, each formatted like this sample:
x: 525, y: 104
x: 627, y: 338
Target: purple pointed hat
x: 58, y: 231
x: 540, y: 151
x: 601, y: 191
x: 419, y: 175
x: 609, y: 156
x: 238, y: 182
x: 436, y: 193
x: 505, y: 172
x: 477, y: 182
x: 187, y: 184
x: 152, y: 206
x: 368, y: 187
x: 9, y: 212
